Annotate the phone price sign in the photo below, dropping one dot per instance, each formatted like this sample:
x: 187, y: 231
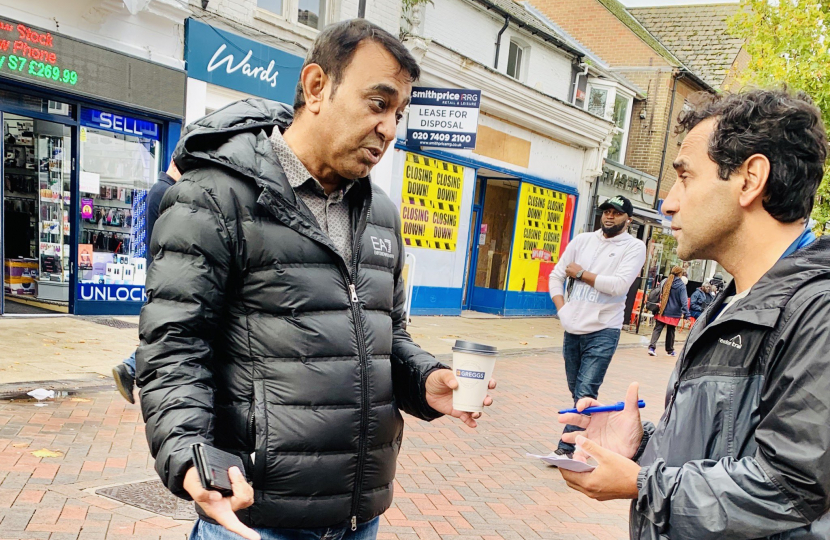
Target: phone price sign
x: 443, y: 117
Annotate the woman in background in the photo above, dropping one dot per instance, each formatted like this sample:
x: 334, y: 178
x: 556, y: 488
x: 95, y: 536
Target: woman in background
x: 674, y: 305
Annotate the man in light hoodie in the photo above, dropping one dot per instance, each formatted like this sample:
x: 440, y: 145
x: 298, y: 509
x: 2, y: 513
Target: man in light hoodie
x: 602, y: 264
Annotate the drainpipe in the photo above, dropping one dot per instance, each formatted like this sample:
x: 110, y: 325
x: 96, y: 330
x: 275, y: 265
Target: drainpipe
x: 576, y: 81
x: 498, y: 40
x: 361, y: 9
x: 677, y: 77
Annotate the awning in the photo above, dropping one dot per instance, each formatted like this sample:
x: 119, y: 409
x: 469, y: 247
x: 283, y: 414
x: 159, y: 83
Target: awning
x: 649, y: 214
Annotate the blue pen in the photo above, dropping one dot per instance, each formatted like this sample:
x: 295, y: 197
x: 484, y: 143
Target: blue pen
x: 620, y: 405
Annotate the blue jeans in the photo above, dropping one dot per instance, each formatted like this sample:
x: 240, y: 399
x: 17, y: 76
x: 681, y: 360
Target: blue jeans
x: 586, y: 360
x: 130, y: 363
x: 204, y: 530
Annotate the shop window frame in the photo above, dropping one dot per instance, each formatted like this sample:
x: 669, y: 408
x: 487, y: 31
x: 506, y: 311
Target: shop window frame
x: 166, y: 123
x: 289, y: 18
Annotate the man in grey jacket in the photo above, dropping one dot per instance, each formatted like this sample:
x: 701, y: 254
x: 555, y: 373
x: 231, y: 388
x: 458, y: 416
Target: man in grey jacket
x: 743, y: 447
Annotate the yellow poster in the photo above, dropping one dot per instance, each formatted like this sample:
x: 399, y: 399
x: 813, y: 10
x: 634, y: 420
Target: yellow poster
x: 431, y: 202
x: 541, y: 234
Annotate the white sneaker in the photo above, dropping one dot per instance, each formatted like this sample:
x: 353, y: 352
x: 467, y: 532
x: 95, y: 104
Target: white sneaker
x: 652, y: 352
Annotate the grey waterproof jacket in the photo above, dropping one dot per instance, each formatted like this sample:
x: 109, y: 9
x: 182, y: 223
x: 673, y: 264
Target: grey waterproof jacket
x: 258, y: 338
x: 743, y: 447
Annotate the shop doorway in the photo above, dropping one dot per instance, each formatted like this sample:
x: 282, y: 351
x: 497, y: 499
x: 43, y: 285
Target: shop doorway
x: 36, y: 225
x: 488, y: 257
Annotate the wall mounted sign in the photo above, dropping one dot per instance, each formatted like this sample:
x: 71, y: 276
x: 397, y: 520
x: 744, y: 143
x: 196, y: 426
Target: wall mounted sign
x: 226, y: 59
x: 46, y: 58
x: 431, y: 202
x: 543, y: 228
x: 117, y: 123
x: 97, y: 292
x: 443, y: 117
x: 635, y: 185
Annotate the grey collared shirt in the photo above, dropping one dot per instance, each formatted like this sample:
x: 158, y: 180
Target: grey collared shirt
x: 331, y: 211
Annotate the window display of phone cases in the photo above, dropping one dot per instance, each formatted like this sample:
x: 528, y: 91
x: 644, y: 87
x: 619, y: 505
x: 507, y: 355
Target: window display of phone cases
x: 54, y: 182
x: 20, y: 203
x: 36, y: 211
x: 123, y: 169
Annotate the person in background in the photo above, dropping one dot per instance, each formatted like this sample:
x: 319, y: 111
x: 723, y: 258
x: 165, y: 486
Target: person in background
x: 717, y: 282
x: 124, y: 373
x: 674, y: 305
x: 602, y: 264
x: 701, y: 299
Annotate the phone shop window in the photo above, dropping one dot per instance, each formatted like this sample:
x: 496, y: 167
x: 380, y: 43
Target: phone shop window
x: 117, y: 171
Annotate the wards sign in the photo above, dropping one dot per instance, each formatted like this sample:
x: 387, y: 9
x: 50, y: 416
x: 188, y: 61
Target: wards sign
x: 232, y: 61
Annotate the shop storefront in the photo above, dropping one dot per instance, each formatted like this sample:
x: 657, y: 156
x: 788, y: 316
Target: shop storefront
x: 489, y: 206
x: 85, y: 131
x: 490, y: 235
x: 223, y: 67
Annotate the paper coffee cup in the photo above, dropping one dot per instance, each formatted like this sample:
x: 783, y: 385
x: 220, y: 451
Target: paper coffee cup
x: 472, y: 364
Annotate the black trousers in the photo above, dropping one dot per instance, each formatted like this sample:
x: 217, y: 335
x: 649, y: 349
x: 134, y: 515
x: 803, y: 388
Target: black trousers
x: 655, y: 335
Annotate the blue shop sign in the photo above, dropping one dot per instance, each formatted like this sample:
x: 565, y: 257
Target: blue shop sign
x: 119, y: 123
x: 97, y: 292
x: 235, y: 62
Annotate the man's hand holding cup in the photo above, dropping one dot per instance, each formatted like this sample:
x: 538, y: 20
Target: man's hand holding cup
x: 462, y: 391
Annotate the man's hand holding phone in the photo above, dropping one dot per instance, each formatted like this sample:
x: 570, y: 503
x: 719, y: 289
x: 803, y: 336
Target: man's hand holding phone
x: 222, y: 508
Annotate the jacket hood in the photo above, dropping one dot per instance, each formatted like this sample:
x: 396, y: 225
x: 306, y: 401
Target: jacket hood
x: 237, y: 137
x: 622, y: 237
x: 788, y: 275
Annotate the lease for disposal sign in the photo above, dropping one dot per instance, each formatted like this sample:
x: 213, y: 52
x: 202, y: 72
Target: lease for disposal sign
x: 443, y: 117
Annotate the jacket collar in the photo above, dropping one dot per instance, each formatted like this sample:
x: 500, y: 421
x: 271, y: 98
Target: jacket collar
x: 237, y: 137
x: 763, y: 305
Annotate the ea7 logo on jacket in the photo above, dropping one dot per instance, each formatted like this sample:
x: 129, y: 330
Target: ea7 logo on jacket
x: 382, y: 247
x: 734, y: 342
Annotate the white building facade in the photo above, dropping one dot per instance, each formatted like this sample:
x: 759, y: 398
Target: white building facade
x: 533, y: 145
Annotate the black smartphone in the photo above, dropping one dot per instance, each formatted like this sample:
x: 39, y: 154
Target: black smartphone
x: 212, y: 465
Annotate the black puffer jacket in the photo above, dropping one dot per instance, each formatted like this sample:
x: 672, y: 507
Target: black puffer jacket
x: 258, y: 338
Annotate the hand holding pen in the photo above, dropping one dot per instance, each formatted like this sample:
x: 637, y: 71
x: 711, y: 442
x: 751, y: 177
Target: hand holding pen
x: 618, y: 406
x: 618, y: 430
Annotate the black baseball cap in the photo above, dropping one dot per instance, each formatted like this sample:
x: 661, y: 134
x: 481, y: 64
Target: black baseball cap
x: 620, y: 203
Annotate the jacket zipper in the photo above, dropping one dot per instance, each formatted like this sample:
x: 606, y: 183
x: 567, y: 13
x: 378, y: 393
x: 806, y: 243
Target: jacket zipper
x: 354, y: 302
x: 364, y: 367
x: 251, y: 434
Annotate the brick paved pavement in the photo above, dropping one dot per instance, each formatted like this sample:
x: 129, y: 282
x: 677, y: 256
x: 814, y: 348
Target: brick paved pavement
x: 453, y: 482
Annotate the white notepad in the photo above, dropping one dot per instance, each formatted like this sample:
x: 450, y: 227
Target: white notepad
x: 564, y: 463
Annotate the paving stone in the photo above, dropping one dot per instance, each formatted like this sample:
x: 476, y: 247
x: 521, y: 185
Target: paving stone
x: 453, y: 482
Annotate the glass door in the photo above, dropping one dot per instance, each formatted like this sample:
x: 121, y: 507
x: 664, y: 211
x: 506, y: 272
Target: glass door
x: 37, y: 171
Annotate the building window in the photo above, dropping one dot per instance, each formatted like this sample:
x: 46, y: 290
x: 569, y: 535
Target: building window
x: 312, y: 13
x: 274, y: 6
x: 514, y: 60
x: 622, y: 112
x: 597, y: 100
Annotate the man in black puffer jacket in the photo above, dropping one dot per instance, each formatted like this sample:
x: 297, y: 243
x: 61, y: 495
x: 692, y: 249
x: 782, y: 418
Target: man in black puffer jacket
x: 274, y: 322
